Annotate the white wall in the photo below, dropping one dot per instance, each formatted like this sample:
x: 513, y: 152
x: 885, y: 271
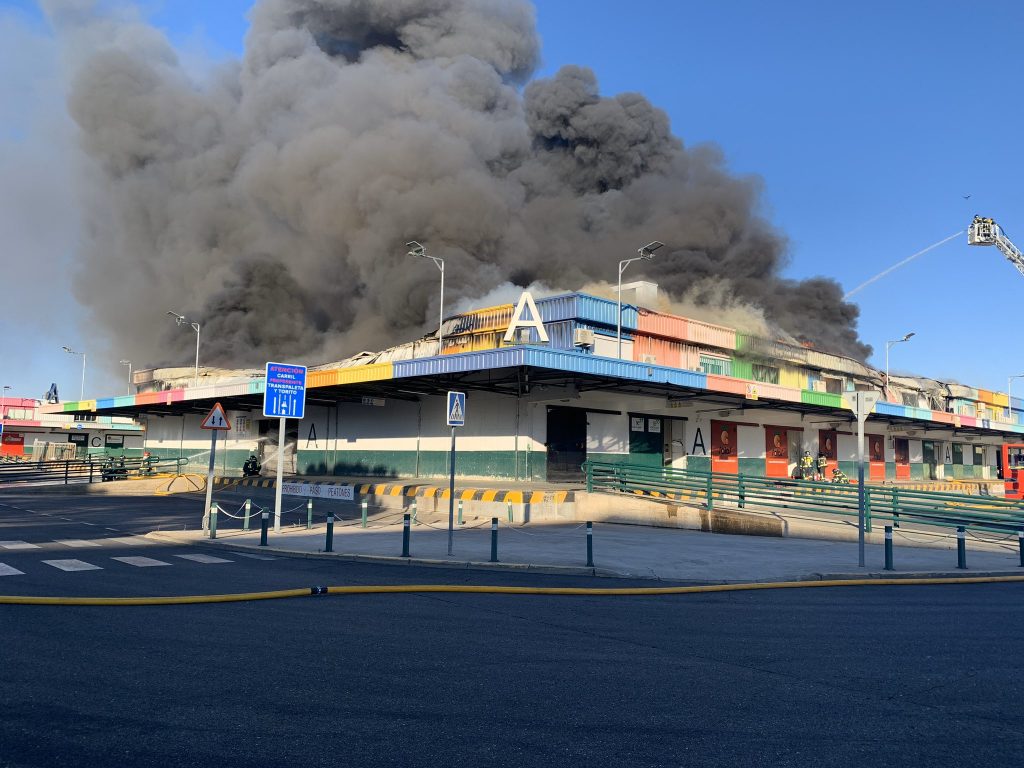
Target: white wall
x: 607, y: 433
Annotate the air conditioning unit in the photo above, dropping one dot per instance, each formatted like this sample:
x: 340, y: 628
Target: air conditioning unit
x: 583, y: 337
x: 819, y: 386
x: 649, y: 359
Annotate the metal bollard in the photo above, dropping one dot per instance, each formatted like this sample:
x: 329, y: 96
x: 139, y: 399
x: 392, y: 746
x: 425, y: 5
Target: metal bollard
x: 363, y: 505
x: 309, y: 514
x: 213, y: 521
x: 494, y: 539
x: 511, y: 519
x: 405, y: 536
x: 888, y: 548
x: 264, y: 522
x: 248, y: 511
x: 329, y: 547
x: 590, y: 544
x: 961, y: 548
x: 741, y: 492
x: 460, y: 511
x: 1020, y: 546
x: 414, y: 511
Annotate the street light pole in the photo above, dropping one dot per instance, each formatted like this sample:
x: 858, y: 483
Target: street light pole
x: 70, y: 351
x: 1009, y: 394
x: 182, y: 320
x: 3, y: 412
x: 888, y: 346
x: 129, y: 364
x: 420, y: 251
x: 646, y: 253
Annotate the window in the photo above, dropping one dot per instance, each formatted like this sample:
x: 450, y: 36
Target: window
x: 834, y: 386
x: 718, y: 366
x: 19, y: 413
x: 911, y: 399
x: 766, y: 374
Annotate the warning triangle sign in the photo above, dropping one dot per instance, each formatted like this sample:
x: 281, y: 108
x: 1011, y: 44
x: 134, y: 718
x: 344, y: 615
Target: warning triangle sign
x: 216, y: 419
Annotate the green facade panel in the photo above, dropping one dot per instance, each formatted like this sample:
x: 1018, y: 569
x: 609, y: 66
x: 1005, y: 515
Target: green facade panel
x: 752, y: 467
x: 917, y: 471
x: 393, y: 464
x: 699, y: 463
x: 742, y: 369
x: 826, y: 399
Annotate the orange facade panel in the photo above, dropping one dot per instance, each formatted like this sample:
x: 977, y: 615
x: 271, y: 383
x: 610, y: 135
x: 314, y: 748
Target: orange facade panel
x: 673, y: 354
x: 661, y: 324
x: 727, y: 384
x: 711, y: 335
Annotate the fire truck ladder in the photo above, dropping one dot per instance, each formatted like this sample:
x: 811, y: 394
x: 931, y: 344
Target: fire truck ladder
x: 984, y: 231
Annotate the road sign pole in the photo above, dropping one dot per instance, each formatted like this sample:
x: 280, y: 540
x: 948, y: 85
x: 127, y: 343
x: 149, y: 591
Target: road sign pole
x: 209, y: 473
x: 451, y: 496
x: 280, y: 475
x: 860, y: 489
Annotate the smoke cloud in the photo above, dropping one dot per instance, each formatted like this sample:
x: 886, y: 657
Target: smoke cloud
x: 271, y: 198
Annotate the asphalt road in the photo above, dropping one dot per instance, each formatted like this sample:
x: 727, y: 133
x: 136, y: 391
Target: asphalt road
x: 909, y: 676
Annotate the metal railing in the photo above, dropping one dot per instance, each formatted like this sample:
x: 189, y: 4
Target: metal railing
x: 91, y: 469
x: 888, y: 504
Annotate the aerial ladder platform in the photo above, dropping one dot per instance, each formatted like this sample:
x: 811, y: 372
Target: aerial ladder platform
x: 984, y: 231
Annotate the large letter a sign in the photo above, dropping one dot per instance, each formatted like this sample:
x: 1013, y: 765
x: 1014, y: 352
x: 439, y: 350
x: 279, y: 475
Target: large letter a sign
x: 526, y: 302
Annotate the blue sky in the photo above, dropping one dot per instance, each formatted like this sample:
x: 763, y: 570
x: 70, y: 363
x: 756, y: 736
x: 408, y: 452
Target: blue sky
x: 867, y: 122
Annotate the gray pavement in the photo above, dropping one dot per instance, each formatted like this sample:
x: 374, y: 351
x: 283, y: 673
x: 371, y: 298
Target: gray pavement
x: 632, y: 551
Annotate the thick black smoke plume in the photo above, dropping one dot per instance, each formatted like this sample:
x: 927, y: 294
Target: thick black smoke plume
x: 272, y: 198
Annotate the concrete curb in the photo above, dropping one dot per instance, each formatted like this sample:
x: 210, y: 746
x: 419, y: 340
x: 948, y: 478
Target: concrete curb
x: 458, y: 565
x: 569, y: 570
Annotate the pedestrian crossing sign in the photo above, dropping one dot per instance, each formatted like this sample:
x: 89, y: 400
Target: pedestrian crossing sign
x: 216, y: 419
x: 456, y: 409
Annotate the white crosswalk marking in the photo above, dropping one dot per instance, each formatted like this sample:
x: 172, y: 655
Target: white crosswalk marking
x: 73, y: 565
x: 18, y: 545
x: 140, y: 562
x: 204, y: 558
x: 77, y: 542
x: 6, y: 570
x: 131, y: 541
x: 253, y: 556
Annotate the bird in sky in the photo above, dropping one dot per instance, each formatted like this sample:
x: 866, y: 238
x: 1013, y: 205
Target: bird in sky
x: 966, y: 197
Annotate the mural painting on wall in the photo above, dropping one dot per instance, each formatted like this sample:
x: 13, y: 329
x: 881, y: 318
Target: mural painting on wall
x: 724, y: 450
x: 877, y: 453
x: 779, y: 448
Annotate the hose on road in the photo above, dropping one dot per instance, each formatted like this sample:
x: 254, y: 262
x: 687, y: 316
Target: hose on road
x: 495, y: 590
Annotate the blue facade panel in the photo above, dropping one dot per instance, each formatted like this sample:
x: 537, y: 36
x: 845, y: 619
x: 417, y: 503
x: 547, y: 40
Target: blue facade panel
x: 509, y: 357
x: 105, y: 403
x: 606, y: 366
x: 891, y: 409
x: 590, y: 309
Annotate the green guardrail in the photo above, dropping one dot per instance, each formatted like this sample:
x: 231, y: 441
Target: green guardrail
x: 887, y: 504
x: 90, y: 470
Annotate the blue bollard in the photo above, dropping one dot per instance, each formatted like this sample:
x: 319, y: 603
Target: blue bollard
x: 961, y: 548
x: 264, y: 522
x: 494, y: 539
x: 405, y: 535
x: 590, y: 545
x: 1020, y: 546
x: 888, y: 548
x: 363, y: 505
x: 330, y: 533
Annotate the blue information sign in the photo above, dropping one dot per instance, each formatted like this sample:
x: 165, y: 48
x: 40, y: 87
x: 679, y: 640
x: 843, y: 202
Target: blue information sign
x: 456, y: 409
x: 286, y: 391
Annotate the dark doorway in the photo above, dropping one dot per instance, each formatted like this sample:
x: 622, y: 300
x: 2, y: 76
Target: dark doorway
x: 567, y: 444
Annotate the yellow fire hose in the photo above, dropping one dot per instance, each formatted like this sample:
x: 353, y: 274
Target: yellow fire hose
x: 392, y: 589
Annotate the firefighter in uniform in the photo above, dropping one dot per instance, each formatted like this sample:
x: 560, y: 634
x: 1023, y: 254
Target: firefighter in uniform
x: 806, y: 466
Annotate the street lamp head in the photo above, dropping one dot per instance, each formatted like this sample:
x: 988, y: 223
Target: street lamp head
x: 126, y: 362
x: 909, y: 336
x: 179, y: 319
x: 647, y: 252
x: 68, y: 350
x: 415, y: 248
